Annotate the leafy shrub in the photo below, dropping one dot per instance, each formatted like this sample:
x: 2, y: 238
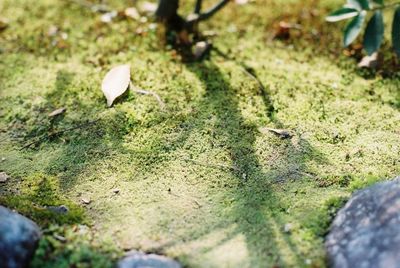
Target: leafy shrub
x: 358, y: 11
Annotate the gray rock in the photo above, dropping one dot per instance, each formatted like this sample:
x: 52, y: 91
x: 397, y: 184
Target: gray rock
x: 137, y: 259
x: 366, y: 232
x: 19, y: 238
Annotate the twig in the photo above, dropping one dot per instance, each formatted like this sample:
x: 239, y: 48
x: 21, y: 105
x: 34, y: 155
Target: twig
x: 146, y: 92
x: 55, y: 134
x: 210, y: 12
x: 197, y: 7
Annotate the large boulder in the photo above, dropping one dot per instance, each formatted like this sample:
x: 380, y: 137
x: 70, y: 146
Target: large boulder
x: 137, y: 259
x: 366, y: 232
x: 19, y: 237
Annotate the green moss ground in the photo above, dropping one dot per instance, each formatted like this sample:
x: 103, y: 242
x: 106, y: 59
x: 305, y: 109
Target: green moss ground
x: 198, y: 182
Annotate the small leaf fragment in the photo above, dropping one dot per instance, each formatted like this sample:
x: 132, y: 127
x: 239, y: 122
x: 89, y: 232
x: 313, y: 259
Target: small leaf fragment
x: 116, y: 82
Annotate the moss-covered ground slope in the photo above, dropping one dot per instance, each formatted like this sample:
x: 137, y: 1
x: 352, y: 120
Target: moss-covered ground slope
x: 201, y: 181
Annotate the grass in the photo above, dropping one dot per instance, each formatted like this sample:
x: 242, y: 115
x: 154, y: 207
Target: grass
x: 198, y: 182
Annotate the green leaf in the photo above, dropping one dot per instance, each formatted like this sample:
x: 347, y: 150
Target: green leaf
x: 353, y: 28
x: 396, y: 31
x: 358, y: 4
x: 374, y: 33
x: 342, y: 14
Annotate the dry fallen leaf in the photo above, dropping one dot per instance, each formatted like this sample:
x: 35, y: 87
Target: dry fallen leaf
x: 116, y: 82
x: 283, y: 133
x: 57, y: 112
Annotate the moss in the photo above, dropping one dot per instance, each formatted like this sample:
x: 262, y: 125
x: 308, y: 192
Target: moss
x: 197, y: 181
x: 35, y: 197
x: 73, y: 246
x: 318, y: 222
x: 363, y: 182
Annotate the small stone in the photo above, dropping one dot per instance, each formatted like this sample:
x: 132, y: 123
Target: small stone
x: 64, y: 36
x: 152, y: 26
x: 52, y: 31
x: 59, y: 209
x: 143, y: 19
x: 369, y: 61
x: 3, y: 177
x: 132, y: 12
x: 200, y: 49
x: 137, y: 259
x: 19, y: 237
x: 116, y: 191
x: 86, y: 200
x: 148, y: 7
x: 108, y: 17
x: 288, y: 227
